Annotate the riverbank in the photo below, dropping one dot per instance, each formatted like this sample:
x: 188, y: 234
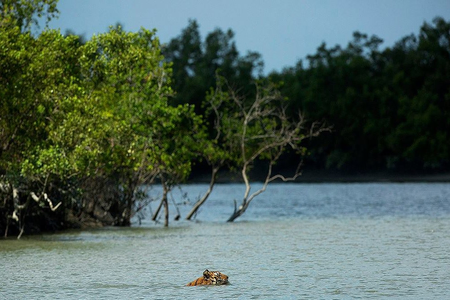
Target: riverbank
x: 333, y: 176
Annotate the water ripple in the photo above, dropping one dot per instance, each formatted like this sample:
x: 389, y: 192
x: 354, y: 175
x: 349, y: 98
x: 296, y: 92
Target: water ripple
x: 375, y: 248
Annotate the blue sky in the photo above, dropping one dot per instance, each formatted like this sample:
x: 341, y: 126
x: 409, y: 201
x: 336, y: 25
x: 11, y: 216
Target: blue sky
x: 283, y: 31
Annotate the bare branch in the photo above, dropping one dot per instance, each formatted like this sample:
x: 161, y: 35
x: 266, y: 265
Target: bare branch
x: 53, y: 208
x: 266, y: 131
x: 45, y: 196
x: 35, y: 197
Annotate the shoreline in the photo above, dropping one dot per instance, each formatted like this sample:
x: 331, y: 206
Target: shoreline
x: 326, y: 176
x: 319, y: 176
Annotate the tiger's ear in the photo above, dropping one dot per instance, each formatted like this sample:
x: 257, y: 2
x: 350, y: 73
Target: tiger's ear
x: 206, y: 273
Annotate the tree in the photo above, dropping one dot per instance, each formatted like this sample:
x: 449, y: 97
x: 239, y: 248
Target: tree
x: 388, y: 108
x: 26, y: 13
x: 257, y: 129
x: 211, y: 149
x: 195, y: 63
x: 420, y: 68
x: 185, y: 53
x: 33, y: 72
x: 173, y: 148
x: 139, y: 139
x: 82, y: 122
x: 145, y: 138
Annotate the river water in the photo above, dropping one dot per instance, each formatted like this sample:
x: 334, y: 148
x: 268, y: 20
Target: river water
x: 296, y: 241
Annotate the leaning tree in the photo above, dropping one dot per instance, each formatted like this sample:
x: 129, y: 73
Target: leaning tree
x: 258, y: 129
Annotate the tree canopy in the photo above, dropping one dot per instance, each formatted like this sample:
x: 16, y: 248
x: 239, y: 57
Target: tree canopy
x: 389, y: 108
x: 195, y: 63
x: 26, y: 13
x: 86, y: 125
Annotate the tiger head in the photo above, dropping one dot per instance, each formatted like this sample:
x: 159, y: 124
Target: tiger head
x: 210, y: 278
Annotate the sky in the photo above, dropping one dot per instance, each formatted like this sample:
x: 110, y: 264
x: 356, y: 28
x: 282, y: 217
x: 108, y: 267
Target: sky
x: 282, y: 31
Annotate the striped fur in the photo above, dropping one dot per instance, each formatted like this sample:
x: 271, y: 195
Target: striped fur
x: 210, y: 278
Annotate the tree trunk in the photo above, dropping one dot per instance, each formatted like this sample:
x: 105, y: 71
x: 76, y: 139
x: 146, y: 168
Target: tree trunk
x: 239, y: 211
x: 206, y: 195
x: 164, y: 203
x: 128, y: 210
x: 166, y: 210
x: 155, y: 215
x: 247, y: 197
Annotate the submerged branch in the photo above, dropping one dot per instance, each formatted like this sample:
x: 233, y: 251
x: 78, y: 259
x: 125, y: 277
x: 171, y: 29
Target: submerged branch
x: 200, y: 202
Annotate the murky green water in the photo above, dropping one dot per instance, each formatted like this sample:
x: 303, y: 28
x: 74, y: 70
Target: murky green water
x: 311, y: 246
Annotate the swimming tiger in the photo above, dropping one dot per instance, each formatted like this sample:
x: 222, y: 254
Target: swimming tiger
x: 210, y: 278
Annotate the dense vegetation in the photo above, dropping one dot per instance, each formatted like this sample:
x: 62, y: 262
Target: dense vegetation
x: 86, y: 126
x: 83, y: 126
x: 390, y: 109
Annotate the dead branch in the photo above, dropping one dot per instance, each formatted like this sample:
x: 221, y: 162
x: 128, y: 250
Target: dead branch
x: 45, y: 197
x: 270, y: 140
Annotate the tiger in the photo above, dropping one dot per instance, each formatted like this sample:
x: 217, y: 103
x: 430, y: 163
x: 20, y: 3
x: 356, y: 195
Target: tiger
x: 210, y: 278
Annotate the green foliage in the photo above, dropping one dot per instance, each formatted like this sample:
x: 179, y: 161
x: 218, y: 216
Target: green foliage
x: 389, y: 109
x: 26, y: 13
x: 195, y: 64
x: 75, y: 113
x: 34, y: 72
